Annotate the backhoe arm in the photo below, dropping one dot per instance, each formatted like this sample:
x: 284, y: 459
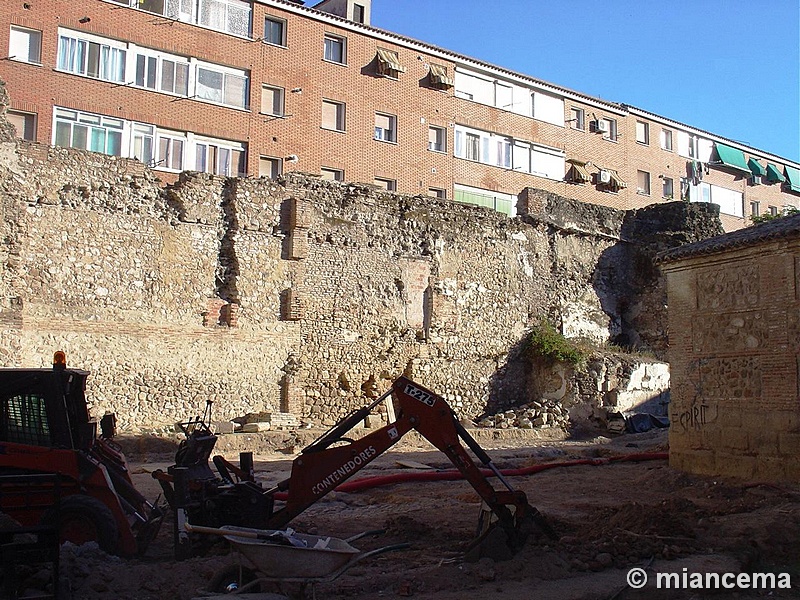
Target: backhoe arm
x: 326, y: 463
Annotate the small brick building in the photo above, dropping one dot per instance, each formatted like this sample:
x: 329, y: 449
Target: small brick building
x: 734, y: 334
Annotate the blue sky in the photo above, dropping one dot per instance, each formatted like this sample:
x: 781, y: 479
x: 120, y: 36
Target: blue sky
x: 731, y: 67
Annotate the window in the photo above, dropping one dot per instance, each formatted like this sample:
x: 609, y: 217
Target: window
x: 667, y: 190
x: 773, y: 211
x: 219, y: 159
x: 666, y: 140
x: 163, y: 73
x: 389, y: 185
x: 503, y: 153
x: 608, y: 127
x: 643, y: 132
x: 226, y: 86
x: 170, y: 152
x: 231, y: 16
x: 144, y: 143
x: 643, y: 182
x: 385, y: 127
x: 275, y: 31
x: 755, y: 208
x: 269, y: 167
x: 23, y: 419
x: 498, y: 201
x: 439, y: 193
x: 91, y: 56
x: 87, y: 131
x: 329, y: 174
x: 473, y: 146
x: 25, y: 45
x: 437, y: 139
x: 333, y: 115
x: 24, y: 123
x: 335, y: 49
x: 358, y: 13
x: 272, y: 100
x: 578, y: 118
x: 228, y: 16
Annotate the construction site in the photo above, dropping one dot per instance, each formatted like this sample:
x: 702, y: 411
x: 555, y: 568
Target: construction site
x: 216, y: 386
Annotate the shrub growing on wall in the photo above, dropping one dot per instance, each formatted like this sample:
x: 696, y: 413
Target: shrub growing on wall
x: 547, y: 344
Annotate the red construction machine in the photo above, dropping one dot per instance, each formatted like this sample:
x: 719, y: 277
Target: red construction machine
x: 234, y: 498
x: 56, y: 471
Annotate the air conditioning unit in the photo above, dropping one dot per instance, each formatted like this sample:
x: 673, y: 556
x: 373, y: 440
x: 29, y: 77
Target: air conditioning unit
x: 604, y: 176
x: 601, y: 126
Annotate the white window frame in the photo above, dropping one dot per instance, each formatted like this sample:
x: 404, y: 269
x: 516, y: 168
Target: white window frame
x: 282, y: 23
x: 386, y: 134
x: 578, y: 118
x: 69, y: 59
x: 439, y: 193
x: 22, y: 43
x: 229, y: 76
x: 666, y: 140
x: 341, y: 115
x: 196, y: 11
x: 437, y: 138
x: 158, y: 59
x: 165, y: 160
x: 335, y: 39
x: 200, y: 147
x: 278, y: 100
x: 91, y: 123
x: 643, y: 133
x: 335, y: 174
x: 643, y: 183
x: 276, y: 166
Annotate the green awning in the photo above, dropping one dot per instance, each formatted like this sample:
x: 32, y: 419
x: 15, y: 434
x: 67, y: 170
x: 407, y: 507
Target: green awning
x: 793, y: 175
x: 774, y: 175
x: 755, y: 168
x: 733, y: 158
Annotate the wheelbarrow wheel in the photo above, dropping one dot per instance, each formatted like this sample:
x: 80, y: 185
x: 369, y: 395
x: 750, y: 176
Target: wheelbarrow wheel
x: 232, y: 578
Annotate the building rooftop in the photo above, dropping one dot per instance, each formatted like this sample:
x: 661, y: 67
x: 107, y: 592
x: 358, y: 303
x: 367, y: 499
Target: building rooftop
x: 777, y: 229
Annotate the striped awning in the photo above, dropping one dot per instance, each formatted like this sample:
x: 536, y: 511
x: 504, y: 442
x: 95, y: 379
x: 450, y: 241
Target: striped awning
x: 774, y: 175
x: 793, y: 178
x: 439, y: 78
x: 577, y: 172
x: 615, y: 179
x: 756, y: 168
x: 389, y: 62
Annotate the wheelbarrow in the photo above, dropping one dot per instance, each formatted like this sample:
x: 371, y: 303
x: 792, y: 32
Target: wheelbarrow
x: 280, y: 557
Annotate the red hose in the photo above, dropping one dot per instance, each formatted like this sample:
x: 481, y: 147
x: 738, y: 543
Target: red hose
x: 366, y: 483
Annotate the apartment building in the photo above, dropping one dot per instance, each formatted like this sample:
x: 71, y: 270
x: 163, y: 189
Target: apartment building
x: 256, y: 88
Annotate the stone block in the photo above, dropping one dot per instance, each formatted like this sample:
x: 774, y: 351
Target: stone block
x: 789, y: 444
x: 735, y: 465
x: 255, y: 427
x: 733, y: 439
x: 700, y: 461
x: 771, y: 468
x: 222, y: 427
x: 763, y: 442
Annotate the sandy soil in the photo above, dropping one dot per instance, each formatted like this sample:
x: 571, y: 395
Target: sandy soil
x: 610, y: 518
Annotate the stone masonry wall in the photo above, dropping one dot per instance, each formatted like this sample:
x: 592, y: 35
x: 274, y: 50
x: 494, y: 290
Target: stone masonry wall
x: 297, y: 295
x: 734, y: 339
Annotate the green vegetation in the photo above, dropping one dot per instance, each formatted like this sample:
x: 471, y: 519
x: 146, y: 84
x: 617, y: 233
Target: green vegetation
x: 789, y: 210
x: 546, y: 343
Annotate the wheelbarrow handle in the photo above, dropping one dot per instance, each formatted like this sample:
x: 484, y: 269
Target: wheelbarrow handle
x: 226, y: 532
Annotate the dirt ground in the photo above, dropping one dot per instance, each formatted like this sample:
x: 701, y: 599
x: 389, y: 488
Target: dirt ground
x: 610, y: 517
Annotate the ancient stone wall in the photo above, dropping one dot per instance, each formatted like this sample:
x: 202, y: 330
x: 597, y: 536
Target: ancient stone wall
x: 297, y: 295
x: 734, y: 339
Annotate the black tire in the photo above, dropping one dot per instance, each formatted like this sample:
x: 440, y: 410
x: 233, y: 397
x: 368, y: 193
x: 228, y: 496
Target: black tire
x: 82, y: 519
x: 230, y: 579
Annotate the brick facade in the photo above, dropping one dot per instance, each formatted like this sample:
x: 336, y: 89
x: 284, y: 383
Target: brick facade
x: 734, y: 337
x: 299, y: 69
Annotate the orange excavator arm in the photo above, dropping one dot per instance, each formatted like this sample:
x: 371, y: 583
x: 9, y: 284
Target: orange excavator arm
x: 334, y: 458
